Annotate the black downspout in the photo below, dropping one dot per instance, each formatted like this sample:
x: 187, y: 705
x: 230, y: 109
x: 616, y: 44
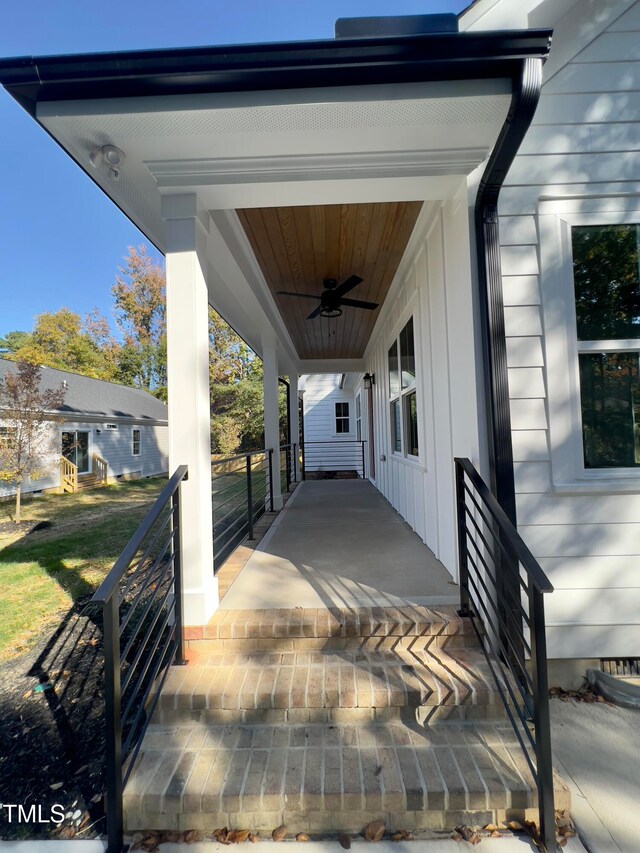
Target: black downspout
x: 526, y: 93
x: 288, y: 390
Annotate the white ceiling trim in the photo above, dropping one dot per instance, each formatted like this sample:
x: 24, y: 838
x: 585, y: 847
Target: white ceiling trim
x: 374, y: 165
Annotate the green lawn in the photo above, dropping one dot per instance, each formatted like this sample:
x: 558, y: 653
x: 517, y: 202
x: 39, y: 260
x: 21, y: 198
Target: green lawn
x: 43, y: 573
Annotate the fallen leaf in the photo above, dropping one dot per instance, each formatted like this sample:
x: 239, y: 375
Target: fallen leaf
x: 81, y: 769
x: 494, y: 834
x: 345, y: 841
x: 242, y: 835
x: 468, y: 834
x: 457, y: 837
x: 490, y: 827
x: 56, y: 786
x: 136, y: 839
x: 302, y: 836
x: 279, y: 833
x: 515, y: 826
x: 253, y: 837
x: 192, y: 836
x: 562, y: 842
x: 374, y: 830
x: 96, y: 798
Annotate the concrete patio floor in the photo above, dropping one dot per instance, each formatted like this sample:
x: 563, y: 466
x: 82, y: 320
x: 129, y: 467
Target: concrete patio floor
x: 339, y: 543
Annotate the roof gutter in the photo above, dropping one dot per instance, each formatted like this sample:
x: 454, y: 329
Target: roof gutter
x: 526, y: 94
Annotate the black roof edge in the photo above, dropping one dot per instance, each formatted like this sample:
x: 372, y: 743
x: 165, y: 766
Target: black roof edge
x: 289, y: 65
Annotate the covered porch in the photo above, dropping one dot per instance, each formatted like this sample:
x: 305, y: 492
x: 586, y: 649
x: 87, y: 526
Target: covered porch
x: 340, y: 544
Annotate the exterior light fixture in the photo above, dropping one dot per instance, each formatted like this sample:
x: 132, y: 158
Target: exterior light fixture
x: 112, y: 157
x: 331, y: 312
x: 369, y: 381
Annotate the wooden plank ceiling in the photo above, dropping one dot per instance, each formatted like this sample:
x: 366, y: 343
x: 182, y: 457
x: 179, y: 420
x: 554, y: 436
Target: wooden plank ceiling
x: 298, y: 247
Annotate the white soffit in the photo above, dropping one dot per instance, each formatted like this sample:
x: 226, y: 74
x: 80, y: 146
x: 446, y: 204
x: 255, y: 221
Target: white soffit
x: 391, y: 142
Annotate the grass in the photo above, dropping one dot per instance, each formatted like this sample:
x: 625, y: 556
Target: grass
x: 42, y: 574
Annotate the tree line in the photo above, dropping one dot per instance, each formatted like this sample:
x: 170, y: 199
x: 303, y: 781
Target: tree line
x: 138, y: 355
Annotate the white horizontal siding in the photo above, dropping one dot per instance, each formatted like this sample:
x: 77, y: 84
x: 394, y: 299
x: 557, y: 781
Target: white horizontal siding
x: 585, y: 141
x: 321, y: 393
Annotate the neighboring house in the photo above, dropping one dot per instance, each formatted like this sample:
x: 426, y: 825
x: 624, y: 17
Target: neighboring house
x: 383, y: 153
x: 332, y: 418
x: 107, y: 431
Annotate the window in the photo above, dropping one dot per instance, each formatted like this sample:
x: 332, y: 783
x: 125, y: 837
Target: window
x: 590, y: 287
x: 7, y: 437
x: 136, y: 442
x: 358, y: 418
x: 403, y: 405
x: 606, y: 277
x: 342, y: 418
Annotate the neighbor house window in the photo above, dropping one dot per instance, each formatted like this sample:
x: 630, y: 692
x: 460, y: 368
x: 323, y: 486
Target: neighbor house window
x: 7, y: 437
x: 136, y: 442
x: 403, y: 405
x: 342, y: 418
x: 606, y: 276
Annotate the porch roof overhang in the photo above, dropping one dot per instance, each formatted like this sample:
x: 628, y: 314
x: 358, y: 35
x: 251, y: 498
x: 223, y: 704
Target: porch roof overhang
x: 345, y: 121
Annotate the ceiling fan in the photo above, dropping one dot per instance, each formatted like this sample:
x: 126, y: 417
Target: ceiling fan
x: 332, y: 298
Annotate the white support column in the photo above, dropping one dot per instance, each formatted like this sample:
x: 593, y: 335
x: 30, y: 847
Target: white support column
x: 271, y: 412
x: 186, y: 234
x: 294, y: 421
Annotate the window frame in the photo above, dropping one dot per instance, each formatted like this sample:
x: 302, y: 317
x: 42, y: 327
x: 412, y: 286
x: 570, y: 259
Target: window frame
x: 561, y: 345
x: 402, y: 395
x: 337, y: 418
x: 135, y: 430
x: 358, y: 416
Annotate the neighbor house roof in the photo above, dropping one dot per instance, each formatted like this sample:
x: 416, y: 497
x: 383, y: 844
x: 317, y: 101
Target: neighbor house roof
x: 96, y: 398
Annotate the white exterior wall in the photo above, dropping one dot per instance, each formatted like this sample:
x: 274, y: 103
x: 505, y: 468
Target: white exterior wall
x: 321, y: 393
x: 115, y: 446
x: 434, y: 286
x: 584, y: 142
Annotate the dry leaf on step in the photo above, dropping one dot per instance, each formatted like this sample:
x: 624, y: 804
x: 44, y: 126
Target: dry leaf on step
x: 279, y: 833
x: 345, y: 841
x: 253, y: 837
x: 374, y: 830
x: 302, y: 836
x: 242, y: 835
x: 192, y: 836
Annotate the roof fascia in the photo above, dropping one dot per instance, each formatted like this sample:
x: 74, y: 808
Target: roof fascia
x: 335, y: 62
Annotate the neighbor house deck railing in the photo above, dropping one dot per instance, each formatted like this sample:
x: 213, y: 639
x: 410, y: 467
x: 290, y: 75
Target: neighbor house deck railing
x: 502, y: 590
x: 141, y: 602
x: 333, y: 455
x: 68, y: 475
x: 100, y: 468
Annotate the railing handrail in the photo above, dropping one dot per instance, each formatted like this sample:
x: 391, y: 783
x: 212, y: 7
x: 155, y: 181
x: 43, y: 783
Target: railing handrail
x: 264, y: 451
x: 110, y: 584
x: 507, y: 529
x: 339, y: 440
x: 67, y: 463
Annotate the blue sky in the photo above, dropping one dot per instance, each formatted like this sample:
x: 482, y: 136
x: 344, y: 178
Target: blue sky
x: 61, y: 239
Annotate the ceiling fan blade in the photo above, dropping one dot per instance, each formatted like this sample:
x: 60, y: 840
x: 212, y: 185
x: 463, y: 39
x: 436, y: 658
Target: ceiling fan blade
x: 315, y: 313
x: 347, y: 285
x: 359, y: 303
x: 304, y: 295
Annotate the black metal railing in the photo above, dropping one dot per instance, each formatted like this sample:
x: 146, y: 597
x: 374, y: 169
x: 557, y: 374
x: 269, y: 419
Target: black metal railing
x: 287, y: 465
x: 242, y: 491
x: 502, y: 590
x: 141, y: 601
x: 328, y: 458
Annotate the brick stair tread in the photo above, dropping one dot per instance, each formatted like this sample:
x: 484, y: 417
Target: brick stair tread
x: 322, y: 777
x: 331, y: 679
x: 332, y: 623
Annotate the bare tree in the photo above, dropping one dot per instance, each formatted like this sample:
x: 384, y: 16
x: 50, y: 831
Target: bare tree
x: 26, y: 437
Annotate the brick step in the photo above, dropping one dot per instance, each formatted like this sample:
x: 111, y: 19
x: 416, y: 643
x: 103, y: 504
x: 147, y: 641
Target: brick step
x: 330, y: 686
x: 328, y: 778
x: 333, y: 628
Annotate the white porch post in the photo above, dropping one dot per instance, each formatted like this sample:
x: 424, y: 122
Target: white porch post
x: 186, y: 235
x: 294, y: 422
x: 271, y: 412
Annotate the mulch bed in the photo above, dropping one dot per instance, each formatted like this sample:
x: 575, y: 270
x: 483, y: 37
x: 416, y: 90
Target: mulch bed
x: 52, y: 732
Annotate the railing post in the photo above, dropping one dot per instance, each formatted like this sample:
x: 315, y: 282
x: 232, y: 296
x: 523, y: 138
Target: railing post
x: 270, y: 459
x: 362, y: 449
x: 113, y: 723
x: 303, y: 472
x: 176, y: 510
x: 249, y: 497
x: 462, y: 541
x: 287, y: 462
x: 544, y: 761
x: 294, y: 460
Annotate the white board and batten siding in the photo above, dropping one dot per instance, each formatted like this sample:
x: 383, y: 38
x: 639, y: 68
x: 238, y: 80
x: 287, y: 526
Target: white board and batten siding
x: 322, y: 443
x: 433, y: 286
x: 583, y: 153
